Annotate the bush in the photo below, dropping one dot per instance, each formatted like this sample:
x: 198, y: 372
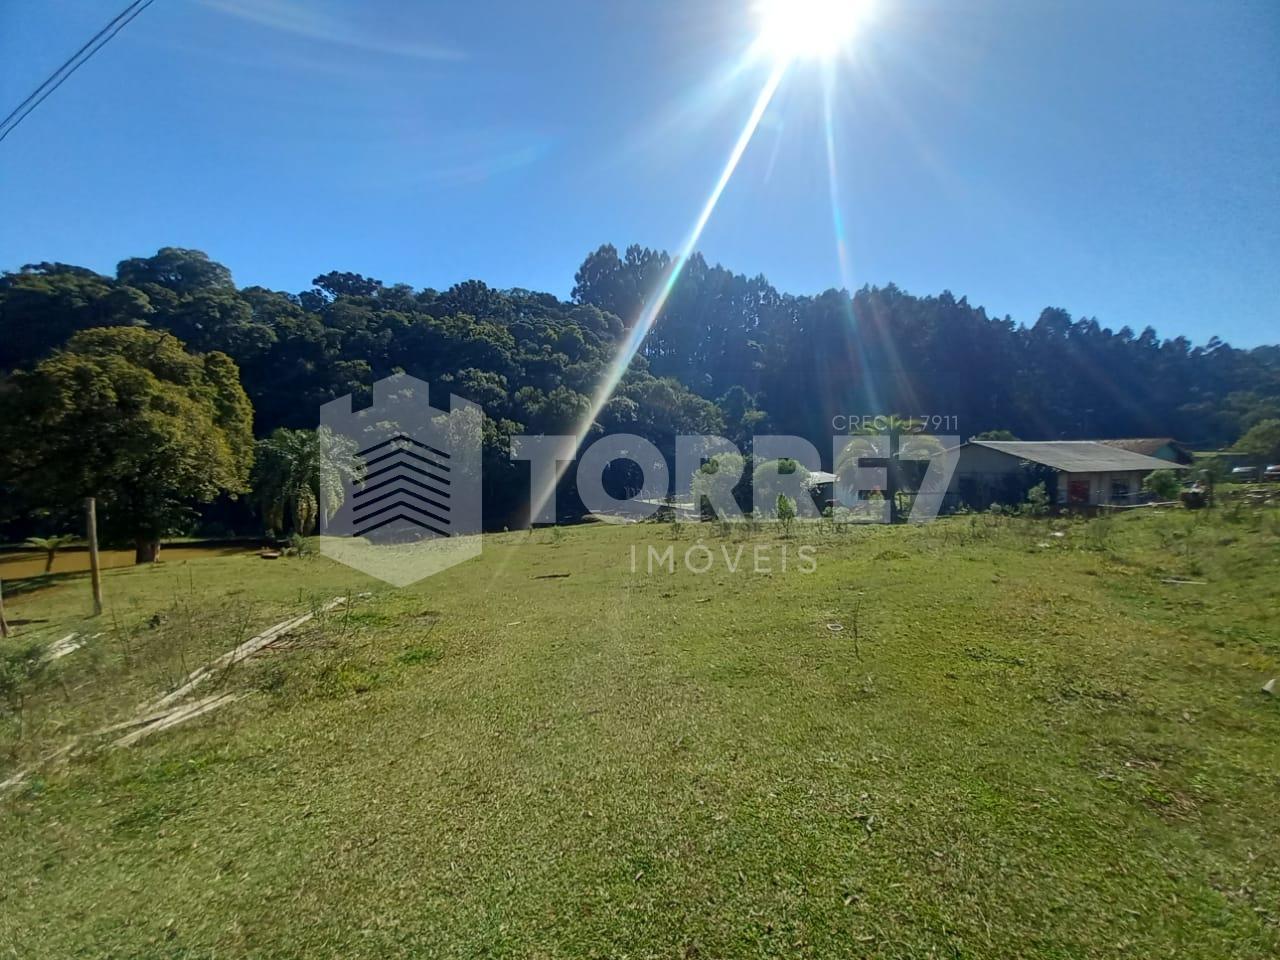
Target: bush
x: 768, y: 483
x: 1037, y: 503
x: 1164, y: 485
x: 786, y: 511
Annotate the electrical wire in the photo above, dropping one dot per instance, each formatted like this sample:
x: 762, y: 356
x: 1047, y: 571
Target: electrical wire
x: 70, y: 66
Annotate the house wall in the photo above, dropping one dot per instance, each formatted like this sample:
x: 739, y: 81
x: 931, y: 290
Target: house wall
x: 1100, y: 486
x: 984, y: 476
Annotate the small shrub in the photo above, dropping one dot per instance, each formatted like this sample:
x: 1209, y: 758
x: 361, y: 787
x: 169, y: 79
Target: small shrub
x: 1164, y: 485
x: 21, y: 668
x: 786, y: 511
x: 300, y: 546
x: 1037, y: 502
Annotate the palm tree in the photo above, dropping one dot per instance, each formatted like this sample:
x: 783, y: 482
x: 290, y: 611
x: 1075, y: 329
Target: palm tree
x: 50, y: 546
x: 903, y: 440
x: 861, y: 447
x: 295, y: 471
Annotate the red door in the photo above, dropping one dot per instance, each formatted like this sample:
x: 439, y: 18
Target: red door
x: 1078, y: 491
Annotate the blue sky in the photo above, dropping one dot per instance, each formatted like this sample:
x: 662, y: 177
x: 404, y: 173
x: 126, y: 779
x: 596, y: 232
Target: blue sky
x: 1120, y: 160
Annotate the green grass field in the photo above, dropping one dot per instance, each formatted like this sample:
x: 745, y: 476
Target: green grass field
x: 974, y: 738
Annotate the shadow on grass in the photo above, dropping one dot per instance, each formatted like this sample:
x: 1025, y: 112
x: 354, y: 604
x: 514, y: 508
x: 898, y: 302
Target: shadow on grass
x: 17, y: 588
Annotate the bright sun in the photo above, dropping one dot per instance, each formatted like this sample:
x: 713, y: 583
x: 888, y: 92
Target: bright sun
x: 808, y: 29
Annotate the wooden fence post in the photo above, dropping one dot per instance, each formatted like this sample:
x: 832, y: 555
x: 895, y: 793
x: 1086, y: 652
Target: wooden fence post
x: 95, y: 570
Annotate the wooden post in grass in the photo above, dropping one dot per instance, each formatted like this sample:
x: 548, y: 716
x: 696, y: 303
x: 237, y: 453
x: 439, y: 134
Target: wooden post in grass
x: 892, y: 475
x: 4, y: 624
x: 95, y: 570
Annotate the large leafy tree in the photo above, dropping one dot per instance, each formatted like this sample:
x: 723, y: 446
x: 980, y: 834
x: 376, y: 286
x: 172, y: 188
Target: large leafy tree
x: 175, y: 268
x: 45, y: 303
x: 128, y: 416
x: 742, y: 418
x: 1262, y: 443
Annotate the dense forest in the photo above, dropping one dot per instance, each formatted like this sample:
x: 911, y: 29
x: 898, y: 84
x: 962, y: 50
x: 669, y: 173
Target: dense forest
x: 729, y: 354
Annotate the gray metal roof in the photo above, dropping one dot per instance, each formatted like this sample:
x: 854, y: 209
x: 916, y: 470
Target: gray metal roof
x: 819, y: 477
x: 1077, y: 456
x: 1144, y: 445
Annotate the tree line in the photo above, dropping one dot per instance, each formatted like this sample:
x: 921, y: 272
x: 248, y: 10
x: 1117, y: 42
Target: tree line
x: 805, y: 358
x: 172, y: 343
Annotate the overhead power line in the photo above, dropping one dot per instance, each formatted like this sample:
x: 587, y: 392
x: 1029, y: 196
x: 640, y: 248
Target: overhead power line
x: 70, y: 66
x: 53, y: 76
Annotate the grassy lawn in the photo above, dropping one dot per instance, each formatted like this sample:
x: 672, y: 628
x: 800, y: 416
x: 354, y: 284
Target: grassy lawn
x: 974, y: 738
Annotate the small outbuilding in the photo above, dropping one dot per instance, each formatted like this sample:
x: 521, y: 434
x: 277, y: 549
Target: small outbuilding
x: 1076, y: 473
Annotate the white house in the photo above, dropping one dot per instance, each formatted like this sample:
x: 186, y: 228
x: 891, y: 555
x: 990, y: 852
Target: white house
x: 1076, y: 472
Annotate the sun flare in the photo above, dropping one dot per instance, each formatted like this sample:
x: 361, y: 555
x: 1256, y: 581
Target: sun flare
x: 808, y: 29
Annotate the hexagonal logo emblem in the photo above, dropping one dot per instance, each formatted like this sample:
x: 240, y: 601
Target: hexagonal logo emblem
x: 401, y: 500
